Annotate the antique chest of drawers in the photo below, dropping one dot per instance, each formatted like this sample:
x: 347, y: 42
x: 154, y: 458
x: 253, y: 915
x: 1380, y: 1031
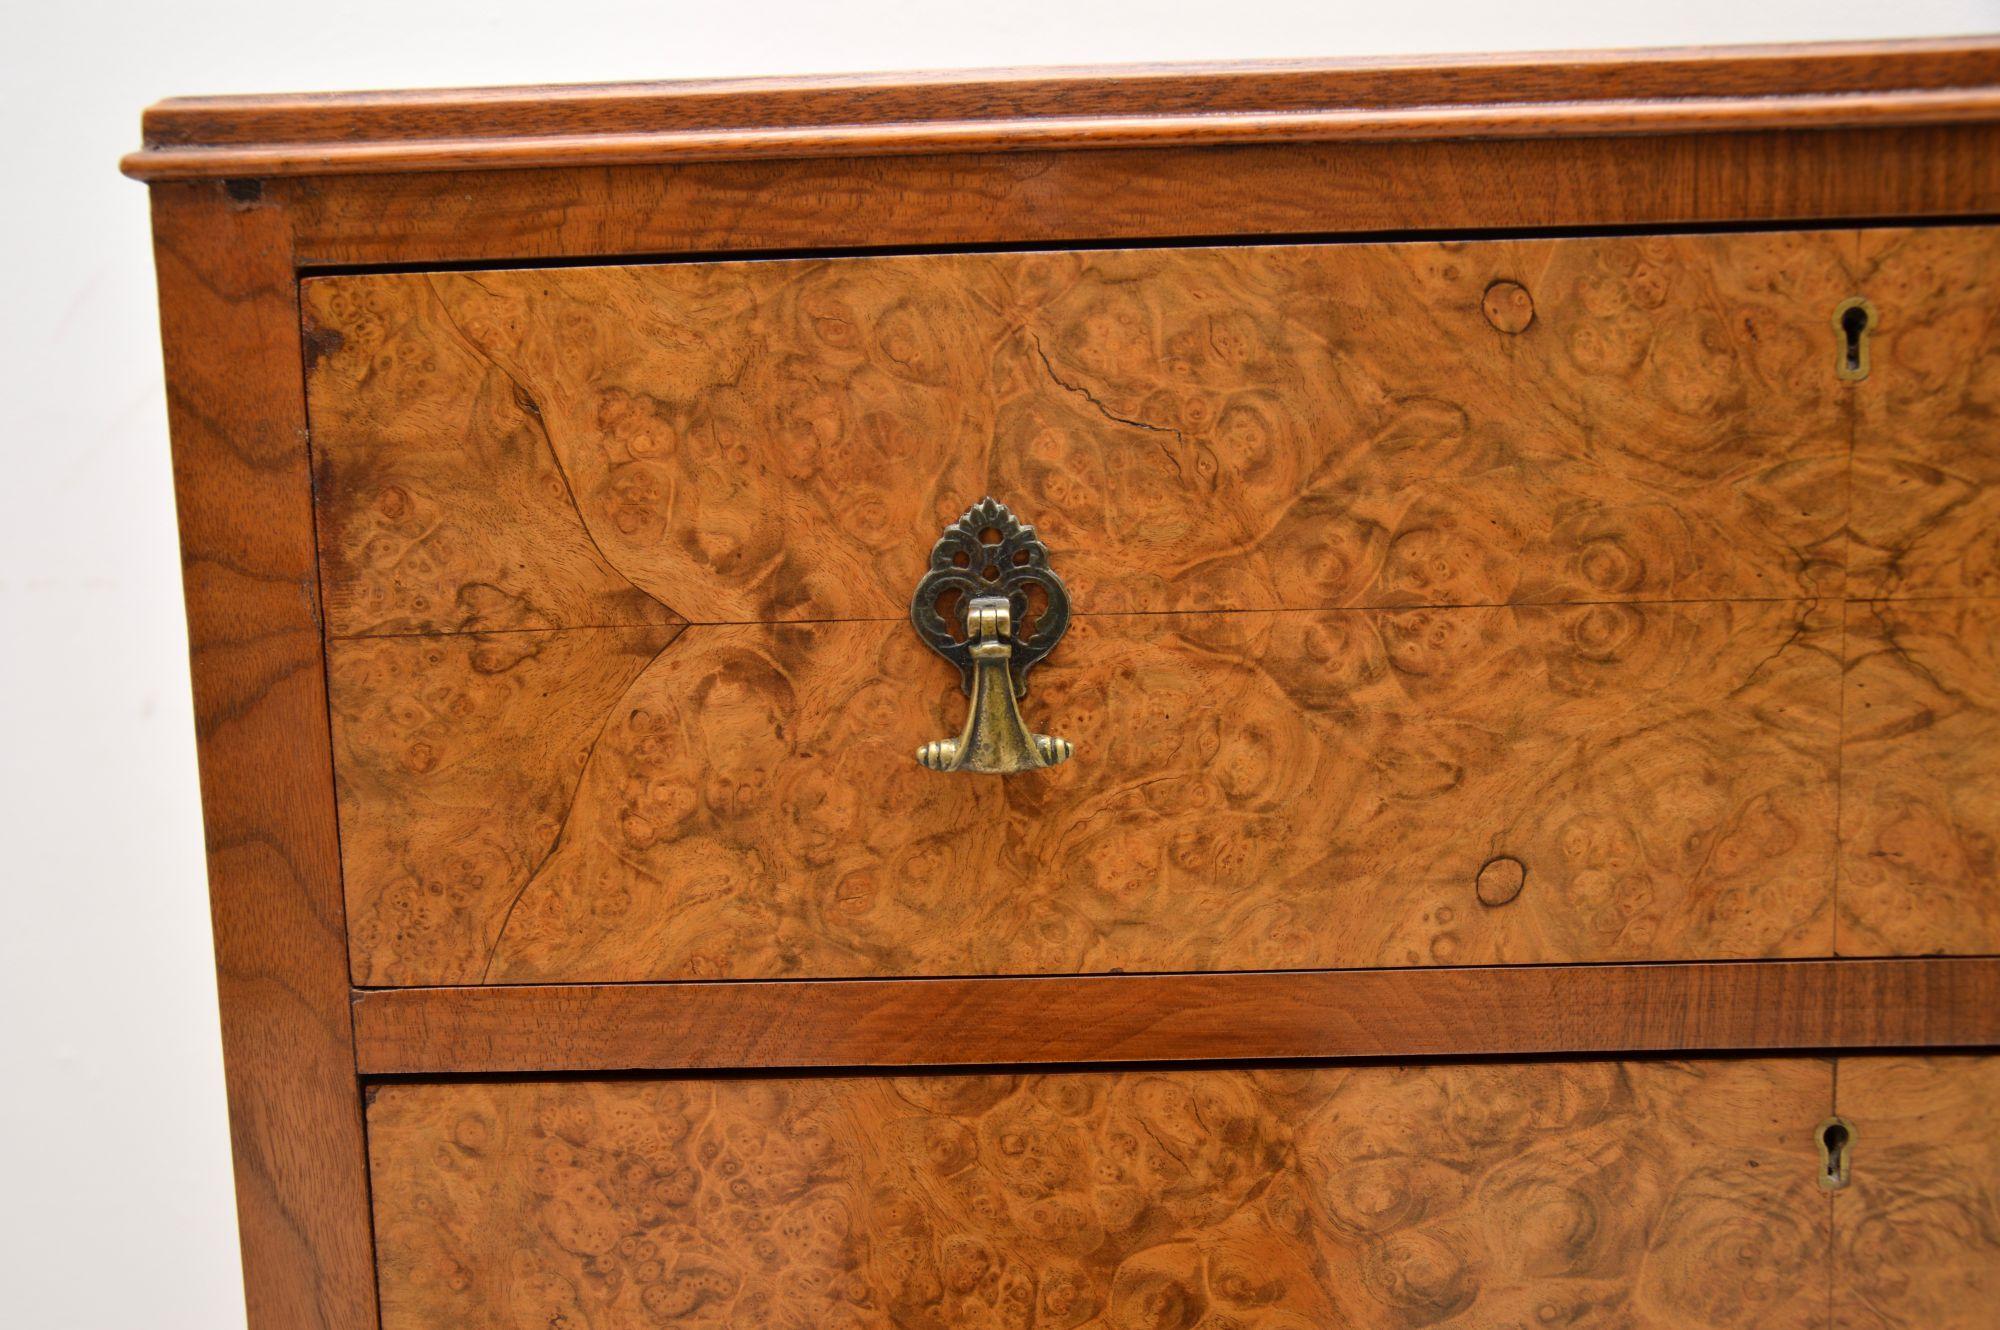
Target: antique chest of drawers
x: 1244, y: 698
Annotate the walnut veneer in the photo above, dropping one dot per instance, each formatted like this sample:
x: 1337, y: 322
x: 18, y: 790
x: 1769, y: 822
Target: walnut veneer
x: 1530, y: 531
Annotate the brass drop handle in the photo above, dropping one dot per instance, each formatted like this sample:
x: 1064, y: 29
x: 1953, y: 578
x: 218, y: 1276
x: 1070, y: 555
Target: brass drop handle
x: 995, y: 738
x: 983, y: 568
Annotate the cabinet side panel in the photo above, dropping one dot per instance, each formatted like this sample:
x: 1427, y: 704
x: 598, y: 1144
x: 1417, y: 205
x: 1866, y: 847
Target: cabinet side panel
x: 230, y: 327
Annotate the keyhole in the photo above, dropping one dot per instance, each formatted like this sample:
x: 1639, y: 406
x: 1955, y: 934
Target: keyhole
x: 1834, y: 1136
x: 1854, y: 323
x: 1854, y: 319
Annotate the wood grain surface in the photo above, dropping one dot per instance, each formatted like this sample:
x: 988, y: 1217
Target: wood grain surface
x: 440, y: 733
x: 1927, y: 446
x: 1227, y: 429
x: 1439, y: 1012
x: 1017, y: 110
x: 1917, y: 1230
x: 1230, y: 428
x: 1920, y: 803
x: 1792, y: 178
x: 1271, y: 190
x: 461, y: 517
x: 1678, y: 1194
x: 229, y: 326
x: 1920, y: 808
x: 1258, y: 791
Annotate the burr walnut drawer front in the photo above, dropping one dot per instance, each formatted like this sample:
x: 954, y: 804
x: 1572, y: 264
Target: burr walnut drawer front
x: 1508, y: 601
x: 1654, y: 1195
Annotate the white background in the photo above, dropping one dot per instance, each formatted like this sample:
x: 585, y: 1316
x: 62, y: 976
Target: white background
x: 113, y: 1142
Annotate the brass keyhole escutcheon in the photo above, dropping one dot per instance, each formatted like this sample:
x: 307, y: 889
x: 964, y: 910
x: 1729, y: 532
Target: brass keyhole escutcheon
x: 991, y: 605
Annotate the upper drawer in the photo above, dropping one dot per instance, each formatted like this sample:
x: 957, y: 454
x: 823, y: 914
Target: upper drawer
x: 1435, y: 603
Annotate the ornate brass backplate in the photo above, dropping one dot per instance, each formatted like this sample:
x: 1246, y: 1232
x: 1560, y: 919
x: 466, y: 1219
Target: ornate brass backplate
x: 976, y: 607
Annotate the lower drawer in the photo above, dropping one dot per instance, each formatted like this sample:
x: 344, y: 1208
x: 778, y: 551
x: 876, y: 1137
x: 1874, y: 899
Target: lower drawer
x: 1636, y: 1194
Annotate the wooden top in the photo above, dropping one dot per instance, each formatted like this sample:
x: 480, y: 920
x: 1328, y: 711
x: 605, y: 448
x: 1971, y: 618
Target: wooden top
x: 1590, y: 93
